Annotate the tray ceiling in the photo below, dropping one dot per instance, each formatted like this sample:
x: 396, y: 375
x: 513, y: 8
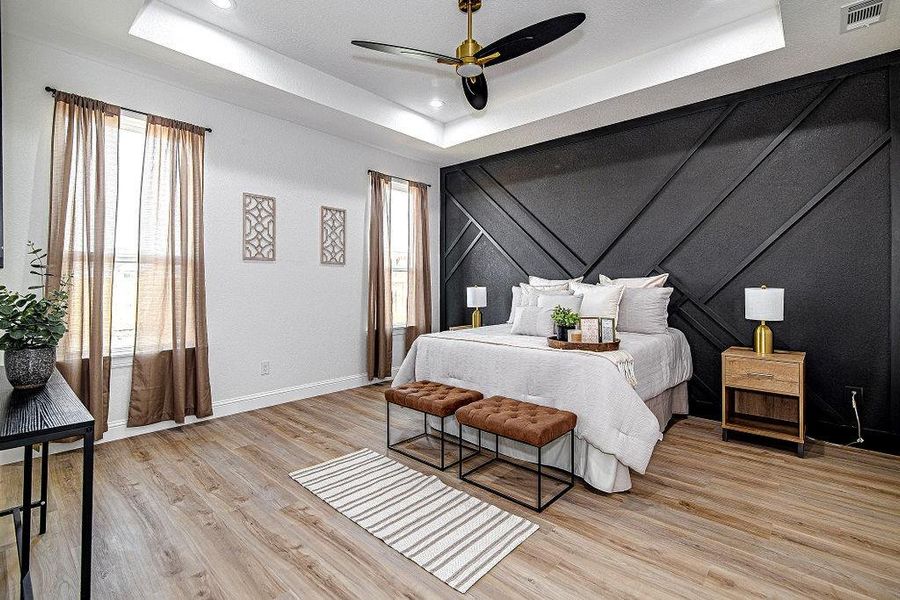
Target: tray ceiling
x: 294, y: 60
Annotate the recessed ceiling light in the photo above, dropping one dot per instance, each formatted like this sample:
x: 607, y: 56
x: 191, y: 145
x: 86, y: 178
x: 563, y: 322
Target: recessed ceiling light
x: 223, y: 4
x: 436, y: 103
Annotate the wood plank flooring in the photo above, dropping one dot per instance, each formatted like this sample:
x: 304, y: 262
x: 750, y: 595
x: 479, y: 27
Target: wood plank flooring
x: 208, y: 511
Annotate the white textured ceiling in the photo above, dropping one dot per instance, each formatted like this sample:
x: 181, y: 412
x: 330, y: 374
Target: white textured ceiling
x: 292, y: 59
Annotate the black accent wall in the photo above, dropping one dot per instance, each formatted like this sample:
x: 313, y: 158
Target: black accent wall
x: 795, y: 185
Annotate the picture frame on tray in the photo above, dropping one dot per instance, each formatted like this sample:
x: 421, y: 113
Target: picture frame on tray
x: 590, y: 330
x: 607, y: 331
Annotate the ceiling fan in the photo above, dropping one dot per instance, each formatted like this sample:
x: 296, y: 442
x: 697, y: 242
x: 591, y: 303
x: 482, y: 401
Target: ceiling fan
x: 471, y: 58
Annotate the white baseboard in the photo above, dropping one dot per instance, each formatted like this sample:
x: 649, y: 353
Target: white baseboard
x: 119, y: 430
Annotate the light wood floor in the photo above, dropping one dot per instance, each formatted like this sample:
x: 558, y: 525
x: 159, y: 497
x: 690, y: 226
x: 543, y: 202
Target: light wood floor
x: 208, y: 511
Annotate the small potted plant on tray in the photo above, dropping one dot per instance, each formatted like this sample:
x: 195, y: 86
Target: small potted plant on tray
x: 565, y: 320
x: 32, y: 326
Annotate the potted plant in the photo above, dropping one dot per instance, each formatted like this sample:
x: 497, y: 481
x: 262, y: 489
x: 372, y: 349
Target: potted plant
x: 565, y: 320
x: 32, y: 326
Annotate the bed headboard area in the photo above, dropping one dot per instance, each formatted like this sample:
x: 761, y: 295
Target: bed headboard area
x: 794, y: 185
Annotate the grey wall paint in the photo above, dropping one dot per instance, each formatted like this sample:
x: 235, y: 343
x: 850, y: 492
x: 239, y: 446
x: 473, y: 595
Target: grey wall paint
x: 795, y: 185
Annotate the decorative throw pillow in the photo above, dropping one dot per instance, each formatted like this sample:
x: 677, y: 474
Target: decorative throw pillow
x: 573, y: 303
x: 540, y: 281
x: 600, y: 300
x: 533, y: 320
x: 531, y: 293
x: 518, y: 298
x: 644, y: 310
x: 656, y: 281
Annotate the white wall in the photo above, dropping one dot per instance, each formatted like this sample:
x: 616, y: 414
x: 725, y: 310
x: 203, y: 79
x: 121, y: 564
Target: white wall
x: 308, y: 320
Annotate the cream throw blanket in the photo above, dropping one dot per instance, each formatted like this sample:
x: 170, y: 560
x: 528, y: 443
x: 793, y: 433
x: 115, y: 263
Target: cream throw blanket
x: 622, y: 360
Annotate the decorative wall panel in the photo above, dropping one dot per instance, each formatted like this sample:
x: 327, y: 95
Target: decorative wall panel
x: 332, y: 230
x: 259, y: 228
x: 788, y: 185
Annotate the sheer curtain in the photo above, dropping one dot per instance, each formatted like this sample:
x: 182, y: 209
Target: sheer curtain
x: 81, y: 245
x: 418, y: 299
x: 170, y: 377
x: 379, y: 341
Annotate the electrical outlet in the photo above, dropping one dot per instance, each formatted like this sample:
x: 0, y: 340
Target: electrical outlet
x: 849, y: 395
x: 265, y: 368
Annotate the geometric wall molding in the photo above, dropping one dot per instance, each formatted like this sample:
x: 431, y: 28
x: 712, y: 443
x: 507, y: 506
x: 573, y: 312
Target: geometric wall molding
x: 795, y: 185
x: 332, y: 231
x: 259, y: 228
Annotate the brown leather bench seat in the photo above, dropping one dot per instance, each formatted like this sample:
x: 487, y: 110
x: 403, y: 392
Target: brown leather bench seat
x: 520, y: 421
x: 432, y: 398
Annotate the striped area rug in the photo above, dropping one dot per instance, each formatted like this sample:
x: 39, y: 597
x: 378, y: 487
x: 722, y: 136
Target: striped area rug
x: 453, y: 536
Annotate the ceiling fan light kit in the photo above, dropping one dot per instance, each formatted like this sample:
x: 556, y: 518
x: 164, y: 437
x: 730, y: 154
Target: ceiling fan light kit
x: 471, y: 58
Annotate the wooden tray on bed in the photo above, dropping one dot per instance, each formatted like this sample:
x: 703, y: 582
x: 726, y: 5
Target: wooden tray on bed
x: 554, y: 342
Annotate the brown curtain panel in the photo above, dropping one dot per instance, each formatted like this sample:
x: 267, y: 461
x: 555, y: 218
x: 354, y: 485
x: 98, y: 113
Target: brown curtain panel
x: 81, y: 245
x: 170, y: 377
x: 379, y: 342
x: 418, y: 299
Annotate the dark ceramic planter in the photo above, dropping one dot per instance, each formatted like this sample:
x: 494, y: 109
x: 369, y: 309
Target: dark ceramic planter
x: 562, y: 333
x: 30, y: 368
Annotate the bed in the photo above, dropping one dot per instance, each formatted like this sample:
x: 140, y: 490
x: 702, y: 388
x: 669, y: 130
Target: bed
x: 619, y: 423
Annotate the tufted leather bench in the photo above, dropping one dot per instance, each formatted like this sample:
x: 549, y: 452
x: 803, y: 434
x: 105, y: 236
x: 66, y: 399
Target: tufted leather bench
x: 430, y: 398
x: 522, y: 422
x: 433, y: 398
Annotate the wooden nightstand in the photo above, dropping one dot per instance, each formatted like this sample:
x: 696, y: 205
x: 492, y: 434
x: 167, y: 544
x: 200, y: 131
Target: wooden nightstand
x: 763, y: 394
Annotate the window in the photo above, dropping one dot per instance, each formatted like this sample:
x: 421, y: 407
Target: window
x: 399, y: 236
x: 132, y: 132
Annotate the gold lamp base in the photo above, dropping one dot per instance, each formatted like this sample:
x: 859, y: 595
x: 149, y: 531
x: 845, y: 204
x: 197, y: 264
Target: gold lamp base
x: 763, y: 342
x: 476, y: 318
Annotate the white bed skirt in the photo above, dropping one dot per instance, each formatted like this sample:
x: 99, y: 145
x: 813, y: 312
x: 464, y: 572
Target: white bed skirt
x: 598, y: 469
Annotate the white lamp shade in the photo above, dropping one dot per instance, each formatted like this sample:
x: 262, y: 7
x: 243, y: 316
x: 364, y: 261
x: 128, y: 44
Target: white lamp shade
x: 476, y: 297
x: 764, y: 304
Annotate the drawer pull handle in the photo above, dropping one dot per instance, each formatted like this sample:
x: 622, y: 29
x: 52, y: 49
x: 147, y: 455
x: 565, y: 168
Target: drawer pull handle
x: 761, y: 375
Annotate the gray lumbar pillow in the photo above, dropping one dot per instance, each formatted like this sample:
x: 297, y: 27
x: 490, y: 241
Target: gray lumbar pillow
x: 533, y: 320
x: 573, y: 303
x: 644, y: 310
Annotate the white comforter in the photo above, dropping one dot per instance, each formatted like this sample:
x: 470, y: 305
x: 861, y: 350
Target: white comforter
x: 612, y: 417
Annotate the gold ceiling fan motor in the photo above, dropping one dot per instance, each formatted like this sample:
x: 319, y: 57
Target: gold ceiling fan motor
x: 471, y: 67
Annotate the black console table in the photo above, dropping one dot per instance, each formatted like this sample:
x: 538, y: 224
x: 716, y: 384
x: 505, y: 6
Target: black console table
x: 30, y: 417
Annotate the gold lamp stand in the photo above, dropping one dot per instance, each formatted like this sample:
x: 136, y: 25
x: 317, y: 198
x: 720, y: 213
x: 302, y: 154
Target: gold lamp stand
x: 763, y: 342
x: 476, y: 318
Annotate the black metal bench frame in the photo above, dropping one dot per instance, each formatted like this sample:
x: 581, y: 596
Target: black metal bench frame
x: 396, y: 445
x: 539, y: 507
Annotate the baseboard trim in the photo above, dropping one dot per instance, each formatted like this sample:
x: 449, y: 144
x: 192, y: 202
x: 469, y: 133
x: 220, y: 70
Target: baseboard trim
x: 221, y: 408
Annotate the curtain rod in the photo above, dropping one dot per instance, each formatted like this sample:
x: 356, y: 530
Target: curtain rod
x: 400, y: 178
x: 140, y: 112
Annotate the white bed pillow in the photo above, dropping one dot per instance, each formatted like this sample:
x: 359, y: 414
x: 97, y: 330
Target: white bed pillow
x: 572, y: 302
x: 540, y: 281
x: 516, y: 302
x: 532, y: 293
x: 644, y: 310
x: 533, y: 320
x: 600, y: 300
x: 656, y: 281
x: 519, y: 299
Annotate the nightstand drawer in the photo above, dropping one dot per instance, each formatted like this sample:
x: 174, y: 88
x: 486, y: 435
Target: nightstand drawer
x: 768, y: 375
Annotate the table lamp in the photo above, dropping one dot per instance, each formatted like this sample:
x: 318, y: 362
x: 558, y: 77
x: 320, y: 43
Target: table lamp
x: 476, y: 297
x: 763, y: 304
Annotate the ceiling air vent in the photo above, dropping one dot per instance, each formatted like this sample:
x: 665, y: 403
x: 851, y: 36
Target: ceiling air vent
x: 861, y: 14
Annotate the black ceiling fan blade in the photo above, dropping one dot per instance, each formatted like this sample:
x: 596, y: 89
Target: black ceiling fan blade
x: 476, y: 90
x: 411, y: 52
x: 531, y: 38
